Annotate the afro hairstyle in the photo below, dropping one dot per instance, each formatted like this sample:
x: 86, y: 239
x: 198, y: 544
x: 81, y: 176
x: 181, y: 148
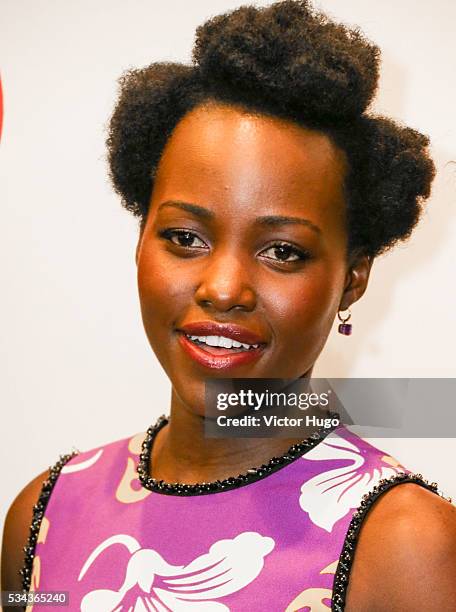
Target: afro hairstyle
x: 289, y: 61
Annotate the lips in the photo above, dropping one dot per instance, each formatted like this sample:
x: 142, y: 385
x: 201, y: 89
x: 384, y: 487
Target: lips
x: 225, y: 361
x: 229, y: 330
x: 220, y: 359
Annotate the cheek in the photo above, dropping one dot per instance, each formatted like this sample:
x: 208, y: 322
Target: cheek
x: 164, y: 291
x: 303, y: 306
x: 163, y: 295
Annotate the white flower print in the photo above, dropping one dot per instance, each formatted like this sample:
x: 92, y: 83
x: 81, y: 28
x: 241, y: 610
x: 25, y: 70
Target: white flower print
x: 330, y: 495
x: 74, y: 466
x: 152, y: 584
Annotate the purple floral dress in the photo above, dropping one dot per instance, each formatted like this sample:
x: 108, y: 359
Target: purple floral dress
x: 281, y: 542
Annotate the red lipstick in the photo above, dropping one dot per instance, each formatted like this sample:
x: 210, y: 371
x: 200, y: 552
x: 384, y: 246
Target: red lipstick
x: 229, y: 330
x: 220, y: 358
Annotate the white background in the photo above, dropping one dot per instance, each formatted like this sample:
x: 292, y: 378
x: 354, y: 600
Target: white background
x: 76, y: 368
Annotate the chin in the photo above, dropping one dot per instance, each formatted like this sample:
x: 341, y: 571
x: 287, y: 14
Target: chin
x: 190, y: 396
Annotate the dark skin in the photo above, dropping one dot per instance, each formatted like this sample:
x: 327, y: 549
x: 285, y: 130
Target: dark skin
x: 237, y: 167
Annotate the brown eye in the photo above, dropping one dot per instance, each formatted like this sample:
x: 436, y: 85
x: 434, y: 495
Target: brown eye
x: 284, y: 253
x: 183, y: 238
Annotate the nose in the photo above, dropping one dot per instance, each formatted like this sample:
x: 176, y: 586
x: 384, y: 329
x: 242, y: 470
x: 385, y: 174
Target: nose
x: 226, y: 284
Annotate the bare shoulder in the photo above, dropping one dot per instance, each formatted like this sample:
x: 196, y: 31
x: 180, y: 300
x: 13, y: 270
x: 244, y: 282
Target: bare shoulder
x: 405, y: 558
x: 16, y: 531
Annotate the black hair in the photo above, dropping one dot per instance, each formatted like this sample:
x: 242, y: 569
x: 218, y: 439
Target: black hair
x: 290, y: 61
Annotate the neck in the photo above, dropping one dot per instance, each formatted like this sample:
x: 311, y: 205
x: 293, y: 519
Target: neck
x: 182, y: 453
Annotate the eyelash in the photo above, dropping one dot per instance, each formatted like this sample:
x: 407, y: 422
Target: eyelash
x: 302, y: 254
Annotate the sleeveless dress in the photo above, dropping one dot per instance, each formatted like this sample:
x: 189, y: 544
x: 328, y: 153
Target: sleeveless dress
x: 279, y: 539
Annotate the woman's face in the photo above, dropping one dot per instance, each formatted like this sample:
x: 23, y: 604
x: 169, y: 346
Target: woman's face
x: 246, y: 229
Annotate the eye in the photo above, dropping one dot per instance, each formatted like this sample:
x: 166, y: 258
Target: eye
x: 283, y: 252
x: 183, y: 238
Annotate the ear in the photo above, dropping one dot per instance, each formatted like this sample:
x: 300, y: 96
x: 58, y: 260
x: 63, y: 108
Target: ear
x: 140, y: 238
x: 356, y: 281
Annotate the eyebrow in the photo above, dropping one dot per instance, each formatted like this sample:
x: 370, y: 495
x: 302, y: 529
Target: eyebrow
x: 268, y: 220
x: 279, y: 220
x: 194, y: 209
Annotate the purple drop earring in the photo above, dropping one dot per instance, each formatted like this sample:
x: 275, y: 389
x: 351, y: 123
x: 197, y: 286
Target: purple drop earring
x: 344, y: 327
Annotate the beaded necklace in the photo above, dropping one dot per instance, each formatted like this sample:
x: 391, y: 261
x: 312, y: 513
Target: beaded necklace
x: 342, y: 574
x: 252, y: 475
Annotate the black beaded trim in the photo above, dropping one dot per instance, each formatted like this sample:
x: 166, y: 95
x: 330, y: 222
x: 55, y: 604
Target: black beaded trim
x: 342, y: 574
x: 38, y: 514
x: 252, y: 475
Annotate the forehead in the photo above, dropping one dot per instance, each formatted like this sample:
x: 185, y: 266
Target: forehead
x: 220, y: 153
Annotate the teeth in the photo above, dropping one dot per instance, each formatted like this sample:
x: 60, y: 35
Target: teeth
x: 222, y: 341
x: 225, y: 342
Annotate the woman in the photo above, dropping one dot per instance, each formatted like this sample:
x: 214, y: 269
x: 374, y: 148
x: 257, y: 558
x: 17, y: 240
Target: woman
x: 264, y: 191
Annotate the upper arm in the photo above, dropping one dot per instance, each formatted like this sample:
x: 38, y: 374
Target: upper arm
x: 16, y: 532
x: 406, y: 554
